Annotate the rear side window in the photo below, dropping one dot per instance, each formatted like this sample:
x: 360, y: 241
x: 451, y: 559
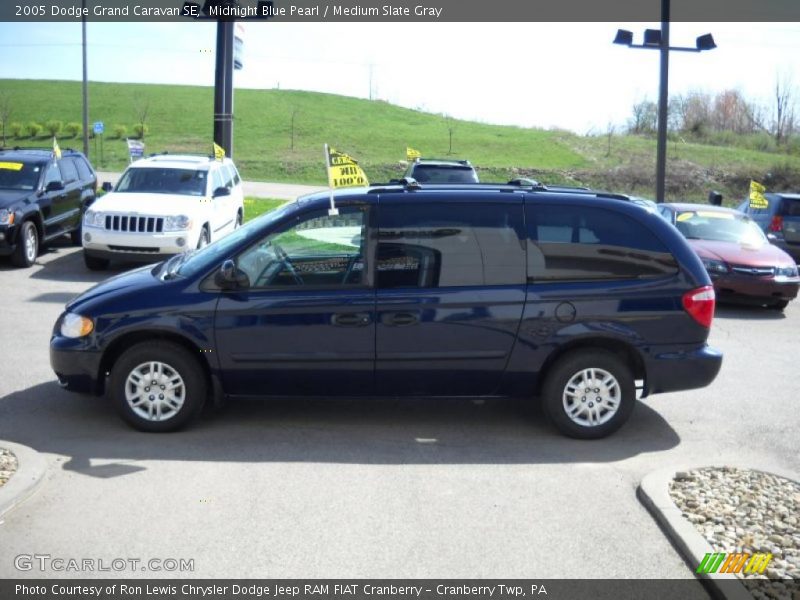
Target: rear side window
x: 790, y: 207
x: 580, y: 243
x: 450, y: 245
x: 84, y: 170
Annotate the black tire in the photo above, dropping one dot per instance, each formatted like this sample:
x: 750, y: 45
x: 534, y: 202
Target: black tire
x: 175, y: 360
x: 569, y: 370
x: 95, y: 263
x: 203, y: 240
x: 780, y: 305
x: 27, y: 248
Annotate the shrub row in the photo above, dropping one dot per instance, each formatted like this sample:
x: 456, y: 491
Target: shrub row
x: 70, y: 130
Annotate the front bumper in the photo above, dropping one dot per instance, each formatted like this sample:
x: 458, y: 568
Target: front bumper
x: 150, y: 247
x: 76, y: 365
x: 672, y: 370
x: 734, y: 286
x: 8, y: 238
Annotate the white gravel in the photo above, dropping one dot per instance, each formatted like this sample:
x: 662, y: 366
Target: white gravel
x: 8, y: 465
x: 741, y: 510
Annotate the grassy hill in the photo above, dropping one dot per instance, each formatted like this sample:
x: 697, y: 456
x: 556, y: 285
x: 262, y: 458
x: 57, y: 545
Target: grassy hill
x: 180, y: 120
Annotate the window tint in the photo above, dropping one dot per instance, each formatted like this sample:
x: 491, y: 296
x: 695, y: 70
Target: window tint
x: 313, y: 250
x: 236, y: 178
x: 450, y: 245
x: 227, y: 176
x: 576, y: 243
x: 68, y: 170
x: 790, y: 207
x: 84, y: 171
x: 216, y: 180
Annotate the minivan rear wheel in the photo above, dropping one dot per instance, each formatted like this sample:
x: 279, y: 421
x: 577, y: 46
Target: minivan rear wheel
x: 157, y: 386
x: 589, y: 394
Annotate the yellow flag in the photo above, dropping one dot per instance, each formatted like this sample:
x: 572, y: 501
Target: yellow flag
x: 343, y: 170
x: 757, y: 199
x: 56, y: 149
x: 411, y: 154
x: 219, y: 152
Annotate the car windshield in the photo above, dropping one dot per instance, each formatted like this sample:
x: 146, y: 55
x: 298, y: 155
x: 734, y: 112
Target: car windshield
x: 216, y: 252
x: 720, y: 227
x: 438, y: 174
x: 159, y: 180
x: 16, y: 175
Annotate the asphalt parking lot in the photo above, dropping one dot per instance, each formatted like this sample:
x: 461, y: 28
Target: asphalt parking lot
x: 404, y: 489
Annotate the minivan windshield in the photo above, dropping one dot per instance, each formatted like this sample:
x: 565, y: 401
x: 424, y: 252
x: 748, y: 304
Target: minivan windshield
x: 720, y: 226
x: 190, y: 264
x: 160, y: 180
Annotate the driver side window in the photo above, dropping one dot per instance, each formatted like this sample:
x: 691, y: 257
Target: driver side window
x: 314, y: 250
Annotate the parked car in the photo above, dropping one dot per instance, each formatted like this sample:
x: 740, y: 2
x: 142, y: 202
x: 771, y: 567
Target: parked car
x: 42, y: 197
x: 780, y: 220
x: 441, y: 170
x: 742, y: 263
x: 163, y: 205
x: 580, y: 299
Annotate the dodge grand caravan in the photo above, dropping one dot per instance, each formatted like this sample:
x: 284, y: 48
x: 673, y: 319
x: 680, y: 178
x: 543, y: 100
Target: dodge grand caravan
x: 574, y: 297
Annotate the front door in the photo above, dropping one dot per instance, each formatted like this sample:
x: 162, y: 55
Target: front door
x: 306, y: 325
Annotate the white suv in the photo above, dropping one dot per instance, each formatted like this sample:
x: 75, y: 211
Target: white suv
x: 161, y: 206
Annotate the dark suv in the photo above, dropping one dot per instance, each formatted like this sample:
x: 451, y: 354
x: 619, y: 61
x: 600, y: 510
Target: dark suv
x: 575, y: 297
x: 441, y: 170
x: 41, y: 197
x: 780, y: 220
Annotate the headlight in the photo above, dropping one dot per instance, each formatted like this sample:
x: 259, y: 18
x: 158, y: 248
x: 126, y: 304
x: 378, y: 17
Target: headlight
x: 6, y: 217
x: 93, y: 218
x: 786, y: 271
x: 76, y: 326
x: 177, y: 223
x: 715, y: 267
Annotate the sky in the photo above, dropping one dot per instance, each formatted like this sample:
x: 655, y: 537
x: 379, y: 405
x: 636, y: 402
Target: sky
x: 548, y: 75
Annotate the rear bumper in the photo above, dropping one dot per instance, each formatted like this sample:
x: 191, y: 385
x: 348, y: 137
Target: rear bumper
x: 672, y: 370
x: 76, y: 367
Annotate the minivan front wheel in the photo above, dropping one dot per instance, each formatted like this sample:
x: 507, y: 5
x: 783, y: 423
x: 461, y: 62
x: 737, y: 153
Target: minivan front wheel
x: 157, y: 386
x: 589, y: 394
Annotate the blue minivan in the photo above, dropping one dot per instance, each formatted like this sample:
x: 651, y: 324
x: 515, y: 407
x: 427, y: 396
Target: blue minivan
x: 577, y: 298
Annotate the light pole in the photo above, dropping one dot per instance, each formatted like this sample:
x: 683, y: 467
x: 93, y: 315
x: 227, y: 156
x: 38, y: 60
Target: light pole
x: 85, y: 86
x: 655, y: 39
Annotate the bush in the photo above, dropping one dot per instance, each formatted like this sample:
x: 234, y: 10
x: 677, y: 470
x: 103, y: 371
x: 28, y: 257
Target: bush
x: 120, y: 131
x: 73, y: 129
x: 34, y: 129
x: 54, y: 127
x: 141, y: 130
x: 15, y: 129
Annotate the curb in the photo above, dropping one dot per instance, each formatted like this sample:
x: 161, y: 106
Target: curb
x: 31, y: 469
x: 653, y: 492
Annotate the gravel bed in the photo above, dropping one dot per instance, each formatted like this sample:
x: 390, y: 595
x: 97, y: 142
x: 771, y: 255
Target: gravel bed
x: 8, y: 465
x: 741, y: 510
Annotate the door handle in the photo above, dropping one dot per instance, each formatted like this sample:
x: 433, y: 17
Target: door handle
x: 402, y: 319
x: 351, y: 319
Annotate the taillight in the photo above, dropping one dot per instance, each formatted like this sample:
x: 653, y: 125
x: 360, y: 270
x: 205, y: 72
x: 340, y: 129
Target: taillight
x: 699, y: 303
x: 776, y: 224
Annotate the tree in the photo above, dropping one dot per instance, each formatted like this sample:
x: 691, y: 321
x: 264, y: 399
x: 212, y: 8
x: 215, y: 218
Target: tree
x: 142, y: 108
x: 451, y: 124
x: 644, y: 118
x: 5, y: 112
x: 295, y: 112
x: 783, y: 123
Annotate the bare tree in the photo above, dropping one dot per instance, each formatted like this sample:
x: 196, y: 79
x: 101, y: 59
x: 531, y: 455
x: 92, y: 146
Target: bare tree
x: 5, y: 112
x: 451, y: 124
x: 644, y: 118
x: 784, y: 120
x: 142, y: 108
x: 610, y: 129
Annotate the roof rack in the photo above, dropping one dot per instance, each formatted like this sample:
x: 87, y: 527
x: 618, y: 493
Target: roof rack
x: 167, y: 153
x: 466, y: 163
x: 40, y: 148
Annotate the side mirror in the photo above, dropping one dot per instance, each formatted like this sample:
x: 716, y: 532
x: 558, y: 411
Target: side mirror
x: 54, y: 186
x: 221, y: 191
x: 229, y: 277
x: 107, y: 186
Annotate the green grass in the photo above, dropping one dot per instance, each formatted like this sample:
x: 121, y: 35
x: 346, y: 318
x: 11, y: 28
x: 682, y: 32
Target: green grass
x: 254, y: 207
x: 377, y: 133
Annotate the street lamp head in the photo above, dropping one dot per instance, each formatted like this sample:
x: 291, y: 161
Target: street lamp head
x: 624, y: 37
x: 706, y: 42
x: 652, y: 37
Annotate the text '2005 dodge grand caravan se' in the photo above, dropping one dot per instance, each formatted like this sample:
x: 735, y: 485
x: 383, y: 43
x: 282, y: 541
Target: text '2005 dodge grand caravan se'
x: 574, y: 297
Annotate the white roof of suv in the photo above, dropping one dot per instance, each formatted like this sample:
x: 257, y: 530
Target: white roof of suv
x: 179, y: 161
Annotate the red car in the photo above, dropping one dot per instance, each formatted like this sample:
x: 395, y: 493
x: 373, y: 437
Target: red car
x: 743, y: 265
